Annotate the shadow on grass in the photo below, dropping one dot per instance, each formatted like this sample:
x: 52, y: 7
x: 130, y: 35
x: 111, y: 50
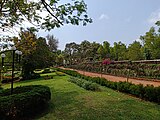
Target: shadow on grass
x: 60, y: 105
x: 63, y: 99
x: 35, y: 80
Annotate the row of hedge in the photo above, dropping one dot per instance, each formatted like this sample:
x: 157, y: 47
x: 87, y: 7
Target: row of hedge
x: 139, y: 70
x: 25, y: 102
x: 148, y: 93
x: 88, y: 85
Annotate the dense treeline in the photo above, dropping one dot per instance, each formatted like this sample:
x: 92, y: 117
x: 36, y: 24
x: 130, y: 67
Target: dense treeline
x: 145, y: 49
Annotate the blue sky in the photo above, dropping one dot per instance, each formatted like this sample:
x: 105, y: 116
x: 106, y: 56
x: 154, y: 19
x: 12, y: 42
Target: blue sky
x: 113, y: 21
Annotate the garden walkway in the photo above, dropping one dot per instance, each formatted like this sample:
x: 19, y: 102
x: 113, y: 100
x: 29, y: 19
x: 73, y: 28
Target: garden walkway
x: 116, y: 79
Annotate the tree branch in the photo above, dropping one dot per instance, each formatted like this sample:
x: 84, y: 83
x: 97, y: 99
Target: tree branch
x: 2, y: 3
x: 24, y: 14
x: 46, y: 6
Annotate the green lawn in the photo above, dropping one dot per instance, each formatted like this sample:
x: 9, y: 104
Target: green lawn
x: 70, y: 102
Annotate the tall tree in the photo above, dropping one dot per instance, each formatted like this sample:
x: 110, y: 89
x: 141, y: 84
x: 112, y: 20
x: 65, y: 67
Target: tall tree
x: 104, y: 50
x: 119, y: 51
x: 93, y: 51
x: 151, y: 41
x: 106, y: 47
x: 85, y: 47
x: 135, y: 51
x: 71, y: 51
x: 52, y: 42
x: 100, y: 52
x: 36, y: 53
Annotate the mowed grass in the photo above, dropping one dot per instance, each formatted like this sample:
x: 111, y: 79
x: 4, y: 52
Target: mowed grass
x: 70, y: 102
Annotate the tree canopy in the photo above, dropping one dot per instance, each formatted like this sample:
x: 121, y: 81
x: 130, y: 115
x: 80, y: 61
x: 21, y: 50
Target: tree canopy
x: 52, y: 42
x: 45, y: 14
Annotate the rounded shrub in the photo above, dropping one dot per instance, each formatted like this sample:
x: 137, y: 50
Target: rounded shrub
x: 94, y: 87
x: 86, y: 85
x: 25, y: 101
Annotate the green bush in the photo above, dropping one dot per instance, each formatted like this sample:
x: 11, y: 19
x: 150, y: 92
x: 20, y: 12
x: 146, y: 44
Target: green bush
x: 94, y: 87
x: 85, y: 84
x: 123, y: 87
x: 149, y: 93
x: 25, y: 101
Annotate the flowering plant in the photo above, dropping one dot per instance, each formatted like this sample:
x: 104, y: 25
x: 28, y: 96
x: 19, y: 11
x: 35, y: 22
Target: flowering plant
x: 106, y: 61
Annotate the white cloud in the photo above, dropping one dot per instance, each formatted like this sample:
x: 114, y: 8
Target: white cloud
x: 154, y: 17
x: 104, y: 17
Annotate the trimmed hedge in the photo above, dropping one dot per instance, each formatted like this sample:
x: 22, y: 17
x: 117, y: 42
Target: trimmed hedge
x: 25, y: 101
x: 60, y: 73
x: 84, y: 84
x: 148, y: 93
x: 46, y: 70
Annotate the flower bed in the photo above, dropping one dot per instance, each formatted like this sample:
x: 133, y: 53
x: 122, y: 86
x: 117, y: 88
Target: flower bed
x: 134, y: 70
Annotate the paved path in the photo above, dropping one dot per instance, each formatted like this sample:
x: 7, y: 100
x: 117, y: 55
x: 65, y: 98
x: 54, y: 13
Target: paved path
x: 116, y: 79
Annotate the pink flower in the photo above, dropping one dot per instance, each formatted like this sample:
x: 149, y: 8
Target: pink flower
x: 106, y: 62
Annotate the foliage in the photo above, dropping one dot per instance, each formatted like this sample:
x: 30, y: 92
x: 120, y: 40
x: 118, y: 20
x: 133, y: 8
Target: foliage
x: 104, y: 50
x: 119, y: 50
x: 135, y: 51
x: 52, y: 43
x: 25, y: 102
x: 15, y: 12
x: 71, y: 51
x: 101, y: 51
x: 59, y: 59
x: 36, y: 53
x: 84, y: 84
x: 148, y: 92
x: 133, y: 69
x: 151, y: 42
x: 75, y: 53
